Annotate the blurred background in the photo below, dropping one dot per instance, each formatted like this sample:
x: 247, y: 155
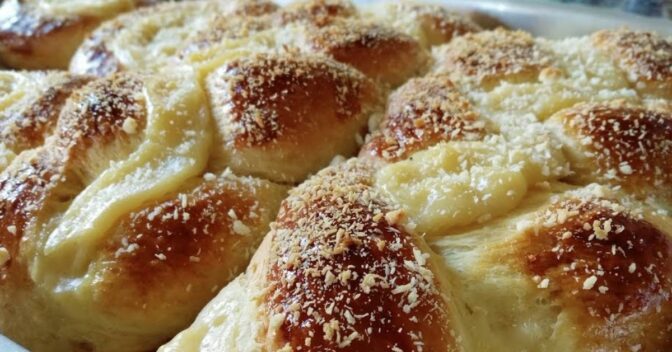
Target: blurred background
x: 652, y: 8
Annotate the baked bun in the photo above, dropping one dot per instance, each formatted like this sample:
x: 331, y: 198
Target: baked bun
x: 131, y: 199
x: 43, y: 34
x: 476, y: 218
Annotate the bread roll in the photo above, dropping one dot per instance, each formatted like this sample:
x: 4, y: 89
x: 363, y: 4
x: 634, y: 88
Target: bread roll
x: 43, y: 34
x: 476, y: 219
x: 271, y: 128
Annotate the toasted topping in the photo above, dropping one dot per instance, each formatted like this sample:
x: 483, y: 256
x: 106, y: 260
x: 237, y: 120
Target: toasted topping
x: 28, y: 124
x: 644, y: 56
x: 421, y: 113
x: 130, y: 126
x: 261, y: 99
x: 627, y: 145
x: 318, y: 12
x: 439, y: 24
x: 333, y: 283
x: 490, y: 56
x: 596, y: 268
x: 379, y: 52
x: 188, y: 232
x: 100, y: 109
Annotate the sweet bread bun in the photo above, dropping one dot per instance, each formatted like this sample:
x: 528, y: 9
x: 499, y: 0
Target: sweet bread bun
x: 619, y: 144
x: 43, y: 34
x: 267, y: 122
x: 476, y: 218
x: 139, y: 195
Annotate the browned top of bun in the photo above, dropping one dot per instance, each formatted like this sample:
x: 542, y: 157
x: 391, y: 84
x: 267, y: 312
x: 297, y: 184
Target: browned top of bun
x: 606, y: 265
x: 263, y: 97
x: 27, y: 127
x: 644, y: 56
x: 631, y: 145
x: 490, y: 56
x: 345, y: 275
x: 421, y: 113
x: 318, y: 12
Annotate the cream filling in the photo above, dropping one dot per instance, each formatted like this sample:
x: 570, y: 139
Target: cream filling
x: 178, y: 138
x: 458, y: 183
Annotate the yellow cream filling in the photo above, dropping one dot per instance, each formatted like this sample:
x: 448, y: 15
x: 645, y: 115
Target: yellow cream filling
x: 178, y: 138
x: 458, y: 183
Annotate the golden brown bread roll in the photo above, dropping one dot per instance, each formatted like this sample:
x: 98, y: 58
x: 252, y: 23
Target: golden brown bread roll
x: 141, y: 195
x: 42, y: 34
x: 267, y: 122
x: 470, y: 220
x: 619, y: 144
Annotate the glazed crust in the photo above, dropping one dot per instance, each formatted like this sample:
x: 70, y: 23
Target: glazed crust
x: 267, y: 121
x: 170, y: 173
x: 331, y: 28
x: 464, y: 225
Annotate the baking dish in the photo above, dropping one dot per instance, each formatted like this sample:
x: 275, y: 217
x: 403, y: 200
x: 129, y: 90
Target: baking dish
x: 548, y: 20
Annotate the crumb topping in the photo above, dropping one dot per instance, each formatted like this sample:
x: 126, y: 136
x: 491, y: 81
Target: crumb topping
x: 421, y: 113
x: 259, y: 99
x: 613, y: 263
x: 27, y: 125
x: 631, y: 146
x: 491, y: 56
x: 644, y: 56
x: 345, y: 275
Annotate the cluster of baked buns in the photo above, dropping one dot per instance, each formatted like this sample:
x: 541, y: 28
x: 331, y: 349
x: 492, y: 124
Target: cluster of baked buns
x: 329, y: 178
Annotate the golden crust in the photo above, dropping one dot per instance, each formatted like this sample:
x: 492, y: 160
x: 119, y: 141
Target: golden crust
x: 608, y: 267
x: 28, y: 38
x: 489, y: 57
x: 26, y: 125
x: 620, y: 144
x: 645, y: 57
x: 37, y: 178
x: 379, y: 52
x: 529, y: 262
x: 344, y: 275
x: 272, y: 110
x: 421, y: 113
x: 202, y: 233
x: 163, y: 262
x: 176, y: 27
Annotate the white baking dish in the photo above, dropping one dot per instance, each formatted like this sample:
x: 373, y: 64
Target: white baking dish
x: 549, y: 20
